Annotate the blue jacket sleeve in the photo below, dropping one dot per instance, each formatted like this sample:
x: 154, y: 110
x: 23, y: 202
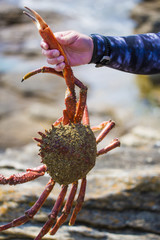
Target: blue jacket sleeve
x: 139, y: 54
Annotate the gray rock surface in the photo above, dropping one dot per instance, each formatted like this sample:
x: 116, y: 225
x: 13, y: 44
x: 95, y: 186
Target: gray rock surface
x: 122, y: 199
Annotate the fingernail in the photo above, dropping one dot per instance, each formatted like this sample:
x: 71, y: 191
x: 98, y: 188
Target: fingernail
x: 60, y: 59
x: 55, y: 53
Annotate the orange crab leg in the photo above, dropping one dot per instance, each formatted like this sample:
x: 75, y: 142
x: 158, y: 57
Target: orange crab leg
x: 45, y: 32
x: 82, y: 101
x: 85, y: 118
x: 115, y: 143
x: 42, y: 70
x: 68, y: 100
x: 100, y: 126
x: 105, y: 131
x: 57, y: 122
x: 49, y: 37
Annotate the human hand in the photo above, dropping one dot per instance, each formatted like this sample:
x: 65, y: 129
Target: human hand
x: 77, y: 47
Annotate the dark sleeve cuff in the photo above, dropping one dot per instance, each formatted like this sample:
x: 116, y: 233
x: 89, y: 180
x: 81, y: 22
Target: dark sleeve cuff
x: 101, y: 50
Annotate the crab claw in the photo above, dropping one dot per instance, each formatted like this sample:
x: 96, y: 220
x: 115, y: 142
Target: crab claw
x: 40, y: 23
x: 45, y: 31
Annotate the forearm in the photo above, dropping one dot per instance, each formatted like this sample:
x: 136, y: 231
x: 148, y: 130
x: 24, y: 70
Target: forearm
x: 139, y: 54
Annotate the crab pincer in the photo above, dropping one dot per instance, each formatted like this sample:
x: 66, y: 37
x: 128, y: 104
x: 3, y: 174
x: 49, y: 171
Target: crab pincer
x: 45, y: 31
x: 48, y: 36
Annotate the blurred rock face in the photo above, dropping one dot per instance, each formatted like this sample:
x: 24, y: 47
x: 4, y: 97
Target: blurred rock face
x: 147, y: 18
x: 146, y: 15
x: 122, y: 200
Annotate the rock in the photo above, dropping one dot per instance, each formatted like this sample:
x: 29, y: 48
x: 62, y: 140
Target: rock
x: 146, y: 15
x: 140, y: 136
x: 27, y: 106
x: 75, y: 232
x: 18, y: 130
x: 157, y: 144
x: 44, y: 112
x: 146, y: 132
x: 51, y: 88
x: 122, y: 198
x: 9, y: 102
x: 131, y: 140
x: 149, y: 87
x: 10, y: 14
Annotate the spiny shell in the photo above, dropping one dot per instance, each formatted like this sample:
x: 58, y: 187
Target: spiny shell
x: 69, y: 152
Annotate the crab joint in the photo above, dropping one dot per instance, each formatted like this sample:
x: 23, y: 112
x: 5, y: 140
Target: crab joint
x: 40, y: 23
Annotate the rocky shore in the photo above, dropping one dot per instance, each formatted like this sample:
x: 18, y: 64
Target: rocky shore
x: 146, y: 15
x: 147, y: 19
x: 122, y: 199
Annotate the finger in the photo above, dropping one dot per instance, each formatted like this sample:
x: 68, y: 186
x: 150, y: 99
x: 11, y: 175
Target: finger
x: 57, y: 60
x: 59, y: 67
x: 44, y: 45
x: 53, y: 53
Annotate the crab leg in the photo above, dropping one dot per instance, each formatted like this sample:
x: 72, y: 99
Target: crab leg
x: 27, y: 176
x: 45, y: 31
x: 115, y: 143
x: 85, y: 118
x: 79, y: 203
x: 66, y: 210
x: 42, y: 70
x: 45, y: 69
x: 100, y: 126
x: 81, y: 102
x: 54, y: 213
x: 57, y: 122
x: 68, y: 100
x: 105, y: 131
x: 33, y: 210
x: 49, y: 37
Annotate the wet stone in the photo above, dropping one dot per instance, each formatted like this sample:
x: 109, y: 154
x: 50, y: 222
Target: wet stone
x: 119, y: 200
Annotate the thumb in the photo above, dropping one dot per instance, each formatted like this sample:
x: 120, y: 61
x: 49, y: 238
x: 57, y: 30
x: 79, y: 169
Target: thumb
x: 65, y: 38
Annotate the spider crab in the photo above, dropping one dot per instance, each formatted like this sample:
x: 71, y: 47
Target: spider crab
x: 68, y: 150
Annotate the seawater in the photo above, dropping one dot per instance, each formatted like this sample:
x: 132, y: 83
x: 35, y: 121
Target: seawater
x: 102, y: 16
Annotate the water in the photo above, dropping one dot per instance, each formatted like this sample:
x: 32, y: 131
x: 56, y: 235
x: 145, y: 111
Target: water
x: 103, y: 16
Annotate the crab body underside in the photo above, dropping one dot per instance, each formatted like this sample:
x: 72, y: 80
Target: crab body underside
x: 68, y: 150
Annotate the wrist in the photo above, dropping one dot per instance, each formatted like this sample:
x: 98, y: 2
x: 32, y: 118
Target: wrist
x: 91, y: 49
x: 101, y: 50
